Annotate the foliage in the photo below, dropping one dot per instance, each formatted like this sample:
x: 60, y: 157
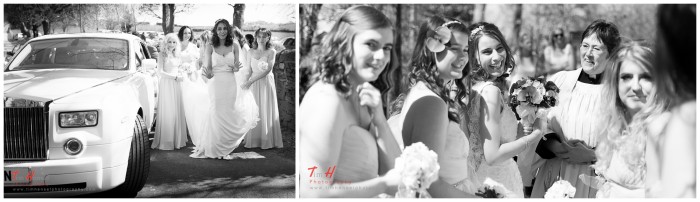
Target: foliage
x: 155, y: 9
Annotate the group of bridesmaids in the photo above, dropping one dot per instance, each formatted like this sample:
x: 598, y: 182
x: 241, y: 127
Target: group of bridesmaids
x: 220, y: 93
x: 608, y: 135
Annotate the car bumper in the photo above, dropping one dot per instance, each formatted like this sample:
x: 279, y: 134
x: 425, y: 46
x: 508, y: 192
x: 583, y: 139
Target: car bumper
x: 65, y: 177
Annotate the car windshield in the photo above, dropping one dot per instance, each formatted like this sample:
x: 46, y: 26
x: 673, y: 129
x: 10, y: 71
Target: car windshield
x: 73, y: 53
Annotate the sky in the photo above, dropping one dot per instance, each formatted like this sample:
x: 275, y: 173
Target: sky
x: 207, y: 14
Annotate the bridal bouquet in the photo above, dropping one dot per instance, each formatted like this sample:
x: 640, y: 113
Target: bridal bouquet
x: 560, y: 189
x: 531, y: 98
x: 263, y: 65
x: 419, y: 168
x: 491, y: 189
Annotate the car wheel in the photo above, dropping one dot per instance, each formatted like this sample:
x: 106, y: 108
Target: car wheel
x: 139, y: 162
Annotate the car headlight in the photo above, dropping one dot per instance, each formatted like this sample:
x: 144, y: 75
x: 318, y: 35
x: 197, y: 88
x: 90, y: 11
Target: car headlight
x: 78, y: 119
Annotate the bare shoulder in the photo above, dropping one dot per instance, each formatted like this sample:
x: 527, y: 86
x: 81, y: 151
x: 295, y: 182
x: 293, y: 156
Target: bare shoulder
x: 319, y: 95
x: 686, y: 112
x: 491, y: 93
x: 658, y: 123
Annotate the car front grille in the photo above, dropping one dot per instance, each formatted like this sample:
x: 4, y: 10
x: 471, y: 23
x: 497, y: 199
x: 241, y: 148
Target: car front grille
x: 26, y: 133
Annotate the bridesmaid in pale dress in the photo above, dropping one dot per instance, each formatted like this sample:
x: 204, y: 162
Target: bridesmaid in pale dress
x: 427, y: 112
x: 671, y: 152
x: 631, y: 105
x: 568, y: 151
x: 171, y: 128
x: 347, y: 148
x: 193, y: 87
x: 260, y: 58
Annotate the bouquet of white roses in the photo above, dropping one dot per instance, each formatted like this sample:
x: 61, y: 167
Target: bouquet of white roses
x: 492, y: 189
x: 263, y: 65
x: 560, y: 189
x: 531, y: 98
x: 419, y: 168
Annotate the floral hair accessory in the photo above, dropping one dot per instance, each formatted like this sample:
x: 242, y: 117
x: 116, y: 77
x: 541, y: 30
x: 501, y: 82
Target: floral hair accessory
x: 436, y: 42
x: 476, y: 30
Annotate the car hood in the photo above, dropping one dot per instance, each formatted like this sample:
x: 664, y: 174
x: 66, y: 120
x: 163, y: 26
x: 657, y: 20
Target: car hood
x: 52, y: 84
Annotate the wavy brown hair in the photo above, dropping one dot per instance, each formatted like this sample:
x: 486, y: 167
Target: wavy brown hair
x: 215, y: 37
x: 477, y: 71
x: 423, y: 64
x: 337, y: 52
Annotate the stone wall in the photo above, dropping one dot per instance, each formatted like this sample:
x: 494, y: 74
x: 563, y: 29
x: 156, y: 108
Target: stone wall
x: 284, y: 71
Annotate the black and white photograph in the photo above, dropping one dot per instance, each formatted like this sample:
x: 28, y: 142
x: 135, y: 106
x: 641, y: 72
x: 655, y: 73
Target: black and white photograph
x: 150, y: 100
x: 497, y: 101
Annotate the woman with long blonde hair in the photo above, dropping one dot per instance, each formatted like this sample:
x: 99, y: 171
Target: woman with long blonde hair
x: 171, y: 128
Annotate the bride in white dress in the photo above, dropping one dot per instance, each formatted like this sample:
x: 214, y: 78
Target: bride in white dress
x: 492, y: 122
x: 232, y: 111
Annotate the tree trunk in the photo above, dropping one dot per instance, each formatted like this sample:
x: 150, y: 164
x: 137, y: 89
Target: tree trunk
x: 238, y: 10
x: 35, y: 30
x: 394, y: 80
x: 168, y: 18
x: 309, y: 15
x: 24, y: 30
x: 518, y: 24
x: 46, y: 25
x: 479, y: 13
x: 97, y: 18
x: 80, y: 18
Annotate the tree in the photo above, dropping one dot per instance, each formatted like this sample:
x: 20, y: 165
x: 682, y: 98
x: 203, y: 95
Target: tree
x: 238, y: 10
x: 307, y: 26
x: 168, y: 18
x: 167, y: 15
x: 35, y: 16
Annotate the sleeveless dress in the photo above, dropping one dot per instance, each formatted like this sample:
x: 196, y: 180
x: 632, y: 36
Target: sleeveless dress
x: 575, y: 117
x: 232, y: 112
x: 681, y: 117
x: 622, y: 179
x: 505, y: 172
x: 454, y: 163
x: 194, y: 93
x: 171, y: 128
x: 359, y: 158
x: 268, y: 133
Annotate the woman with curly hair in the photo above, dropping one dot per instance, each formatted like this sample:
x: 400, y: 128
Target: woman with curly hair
x: 232, y: 111
x: 427, y: 113
x: 493, y: 126
x: 171, y: 128
x: 345, y: 139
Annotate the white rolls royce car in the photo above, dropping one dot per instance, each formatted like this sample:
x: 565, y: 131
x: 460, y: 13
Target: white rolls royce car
x: 77, y: 113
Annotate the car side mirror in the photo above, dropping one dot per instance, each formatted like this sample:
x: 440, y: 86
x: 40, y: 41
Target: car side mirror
x: 148, y: 64
x: 10, y: 53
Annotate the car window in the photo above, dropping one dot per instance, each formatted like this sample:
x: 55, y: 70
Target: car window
x: 144, y: 50
x: 139, y: 55
x: 73, y: 53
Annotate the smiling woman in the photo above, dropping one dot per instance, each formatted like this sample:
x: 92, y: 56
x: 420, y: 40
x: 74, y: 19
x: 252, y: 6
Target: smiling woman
x: 427, y: 112
x: 575, y: 118
x: 343, y: 129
